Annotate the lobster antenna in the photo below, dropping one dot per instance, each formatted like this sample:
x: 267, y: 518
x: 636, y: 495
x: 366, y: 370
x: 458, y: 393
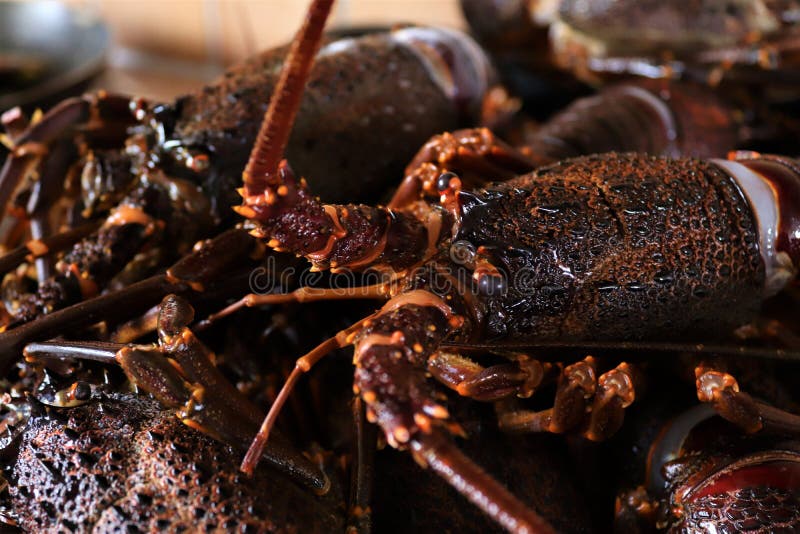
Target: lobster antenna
x: 273, y: 136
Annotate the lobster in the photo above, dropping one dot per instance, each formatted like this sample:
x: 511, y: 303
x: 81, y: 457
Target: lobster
x: 536, y: 258
x: 165, y: 171
x: 745, y: 41
x: 602, y: 248
x: 170, y: 185
x: 702, y: 473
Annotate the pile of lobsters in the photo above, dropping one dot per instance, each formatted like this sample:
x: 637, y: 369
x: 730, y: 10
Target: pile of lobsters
x: 538, y: 277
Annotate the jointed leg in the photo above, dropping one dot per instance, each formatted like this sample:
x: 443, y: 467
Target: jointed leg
x: 470, y: 379
x: 44, y: 193
x: 595, y: 405
x: 32, y: 144
x: 475, y: 155
x: 181, y: 374
x: 722, y: 391
x: 216, y: 259
x: 615, y: 392
x: 36, y: 248
x: 304, y: 294
x: 302, y: 366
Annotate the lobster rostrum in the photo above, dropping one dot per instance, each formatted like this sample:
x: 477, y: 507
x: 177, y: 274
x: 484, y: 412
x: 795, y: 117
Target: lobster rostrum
x: 600, y: 248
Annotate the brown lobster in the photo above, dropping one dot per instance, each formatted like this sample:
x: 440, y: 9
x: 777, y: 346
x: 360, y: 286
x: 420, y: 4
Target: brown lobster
x: 163, y: 176
x: 745, y: 41
x: 164, y: 171
x: 591, y: 250
x: 603, y: 248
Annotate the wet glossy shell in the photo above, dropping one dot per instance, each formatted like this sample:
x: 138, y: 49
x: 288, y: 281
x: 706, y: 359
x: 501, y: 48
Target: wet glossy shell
x: 369, y: 105
x: 756, y: 510
x: 618, y: 247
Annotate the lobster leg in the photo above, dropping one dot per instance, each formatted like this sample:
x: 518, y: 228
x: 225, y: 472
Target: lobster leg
x: 582, y: 400
x: 30, y: 145
x: 44, y: 194
x: 196, y: 361
x: 36, y: 248
x: 576, y: 388
x: 615, y: 392
x: 476, y: 155
x: 721, y: 390
x: 303, y: 294
x: 181, y: 374
x: 214, y: 259
x: 302, y: 366
x: 470, y: 379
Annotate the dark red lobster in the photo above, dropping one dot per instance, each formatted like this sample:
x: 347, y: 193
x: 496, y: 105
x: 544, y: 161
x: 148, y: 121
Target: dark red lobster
x: 146, y: 180
x: 152, y: 179
x: 601, y: 248
x: 588, y: 251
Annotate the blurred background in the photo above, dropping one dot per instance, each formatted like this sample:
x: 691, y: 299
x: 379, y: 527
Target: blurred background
x: 158, y: 49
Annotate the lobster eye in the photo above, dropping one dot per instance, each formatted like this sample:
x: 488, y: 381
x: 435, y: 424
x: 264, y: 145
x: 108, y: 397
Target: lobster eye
x: 443, y: 182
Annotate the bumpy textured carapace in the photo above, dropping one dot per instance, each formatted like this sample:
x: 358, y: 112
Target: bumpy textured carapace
x: 605, y: 247
x: 123, y: 463
x: 169, y: 172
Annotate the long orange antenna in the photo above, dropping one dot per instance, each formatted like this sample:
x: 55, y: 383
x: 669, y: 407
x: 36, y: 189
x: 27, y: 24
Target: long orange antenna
x: 271, y: 142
